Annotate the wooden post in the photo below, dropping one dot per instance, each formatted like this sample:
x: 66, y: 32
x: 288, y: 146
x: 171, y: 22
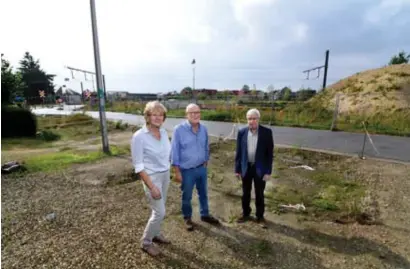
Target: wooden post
x: 335, y: 113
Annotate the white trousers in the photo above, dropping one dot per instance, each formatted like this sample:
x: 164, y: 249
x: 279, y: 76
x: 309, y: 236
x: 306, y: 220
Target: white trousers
x: 153, y: 228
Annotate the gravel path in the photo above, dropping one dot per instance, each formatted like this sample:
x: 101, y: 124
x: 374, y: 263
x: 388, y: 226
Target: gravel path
x: 93, y: 215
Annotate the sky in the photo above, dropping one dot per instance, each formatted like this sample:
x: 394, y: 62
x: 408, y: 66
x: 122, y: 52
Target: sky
x: 148, y: 46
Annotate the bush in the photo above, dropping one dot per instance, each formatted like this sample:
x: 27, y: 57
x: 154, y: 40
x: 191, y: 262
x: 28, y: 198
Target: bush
x: 78, y: 117
x: 17, y: 122
x: 218, y: 116
x: 48, y: 135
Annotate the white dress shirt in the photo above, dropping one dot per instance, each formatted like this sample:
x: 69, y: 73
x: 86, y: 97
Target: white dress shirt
x: 150, y: 154
x: 252, y: 143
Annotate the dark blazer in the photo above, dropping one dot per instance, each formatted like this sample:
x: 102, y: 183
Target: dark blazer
x: 263, y: 155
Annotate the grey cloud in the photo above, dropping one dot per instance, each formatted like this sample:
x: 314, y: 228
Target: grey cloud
x: 228, y: 62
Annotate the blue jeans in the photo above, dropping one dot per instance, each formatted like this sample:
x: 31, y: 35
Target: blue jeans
x: 190, y: 177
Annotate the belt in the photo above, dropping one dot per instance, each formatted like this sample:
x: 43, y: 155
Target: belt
x: 194, y: 167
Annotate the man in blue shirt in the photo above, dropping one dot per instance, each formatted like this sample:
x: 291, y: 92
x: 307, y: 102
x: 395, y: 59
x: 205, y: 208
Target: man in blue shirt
x: 190, y: 156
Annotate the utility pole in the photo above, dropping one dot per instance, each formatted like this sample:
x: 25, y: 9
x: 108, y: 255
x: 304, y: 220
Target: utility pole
x: 325, y: 66
x: 99, y: 77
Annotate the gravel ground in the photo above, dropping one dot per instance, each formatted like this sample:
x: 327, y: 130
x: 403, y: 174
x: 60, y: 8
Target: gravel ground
x: 93, y: 215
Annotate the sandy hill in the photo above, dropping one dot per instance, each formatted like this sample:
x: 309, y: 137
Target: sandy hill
x: 377, y: 90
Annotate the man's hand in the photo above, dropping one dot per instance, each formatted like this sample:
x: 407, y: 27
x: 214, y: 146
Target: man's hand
x: 205, y: 164
x: 238, y: 176
x: 267, y: 177
x: 178, y: 177
x: 155, y: 193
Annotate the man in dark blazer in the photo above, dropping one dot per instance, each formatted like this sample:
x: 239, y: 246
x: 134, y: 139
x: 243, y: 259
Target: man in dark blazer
x: 253, y: 163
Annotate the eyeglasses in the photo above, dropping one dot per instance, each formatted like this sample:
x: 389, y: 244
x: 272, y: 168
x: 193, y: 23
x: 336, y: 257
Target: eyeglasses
x: 253, y: 119
x: 195, y: 112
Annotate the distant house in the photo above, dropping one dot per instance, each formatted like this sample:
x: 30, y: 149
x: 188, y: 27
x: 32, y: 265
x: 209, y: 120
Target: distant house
x: 142, y: 96
x: 117, y: 94
x: 207, y: 92
x: 69, y: 96
x: 123, y: 95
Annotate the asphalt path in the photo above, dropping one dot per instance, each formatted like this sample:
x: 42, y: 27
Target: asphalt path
x: 379, y: 146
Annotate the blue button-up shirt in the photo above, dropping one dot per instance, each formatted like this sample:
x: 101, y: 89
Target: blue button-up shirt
x: 189, y: 149
x: 149, y: 153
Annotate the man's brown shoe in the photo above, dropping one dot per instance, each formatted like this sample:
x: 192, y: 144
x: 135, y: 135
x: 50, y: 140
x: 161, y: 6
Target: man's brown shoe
x: 151, y: 249
x: 262, y: 223
x: 161, y: 239
x: 211, y: 220
x: 243, y: 219
x: 189, y: 224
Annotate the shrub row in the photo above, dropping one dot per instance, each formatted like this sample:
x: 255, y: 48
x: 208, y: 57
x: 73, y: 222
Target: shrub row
x: 17, y: 122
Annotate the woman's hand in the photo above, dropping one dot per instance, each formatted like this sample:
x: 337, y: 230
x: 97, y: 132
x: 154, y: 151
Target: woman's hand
x: 155, y: 193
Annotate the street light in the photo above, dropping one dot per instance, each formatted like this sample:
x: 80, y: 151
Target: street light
x: 193, y: 79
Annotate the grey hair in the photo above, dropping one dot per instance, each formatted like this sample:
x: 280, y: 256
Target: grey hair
x: 254, y: 112
x: 192, y: 105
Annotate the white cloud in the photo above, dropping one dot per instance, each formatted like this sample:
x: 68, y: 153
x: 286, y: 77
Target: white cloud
x: 384, y: 11
x: 300, y: 32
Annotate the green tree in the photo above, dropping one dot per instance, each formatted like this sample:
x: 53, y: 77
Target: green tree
x: 202, y: 96
x: 254, y: 94
x: 305, y: 94
x: 245, y: 88
x: 227, y: 94
x: 187, y: 89
x: 400, y: 58
x: 11, y: 84
x: 219, y: 95
x: 285, y: 94
x: 35, y: 78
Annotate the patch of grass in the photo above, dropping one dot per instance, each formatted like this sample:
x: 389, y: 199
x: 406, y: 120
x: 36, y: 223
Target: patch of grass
x: 66, y: 148
x: 119, y: 125
x: 401, y: 74
x: 62, y: 159
x: 380, y: 88
x: 395, y: 87
x: 53, y: 128
x: 327, y: 194
x: 132, y: 107
x: 331, y: 191
x: 53, y: 122
x: 260, y: 248
x: 123, y: 178
x: 312, y: 115
x: 48, y: 136
x: 11, y: 143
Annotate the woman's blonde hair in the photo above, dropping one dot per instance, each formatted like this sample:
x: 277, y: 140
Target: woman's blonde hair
x: 154, y: 106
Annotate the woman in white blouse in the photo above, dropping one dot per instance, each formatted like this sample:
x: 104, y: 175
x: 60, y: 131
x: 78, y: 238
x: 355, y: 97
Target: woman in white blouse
x: 150, y: 150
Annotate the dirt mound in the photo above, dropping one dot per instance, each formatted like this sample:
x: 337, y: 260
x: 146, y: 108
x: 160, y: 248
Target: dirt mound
x: 385, y: 89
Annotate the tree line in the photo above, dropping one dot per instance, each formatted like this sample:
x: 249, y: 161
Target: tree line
x: 29, y: 78
x: 25, y: 81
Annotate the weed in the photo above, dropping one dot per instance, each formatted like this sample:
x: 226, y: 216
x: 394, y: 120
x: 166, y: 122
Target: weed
x: 60, y: 160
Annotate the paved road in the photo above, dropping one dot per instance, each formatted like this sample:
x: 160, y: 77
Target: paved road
x: 389, y: 147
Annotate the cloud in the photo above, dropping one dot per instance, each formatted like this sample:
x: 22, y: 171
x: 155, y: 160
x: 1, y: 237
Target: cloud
x: 148, y: 46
